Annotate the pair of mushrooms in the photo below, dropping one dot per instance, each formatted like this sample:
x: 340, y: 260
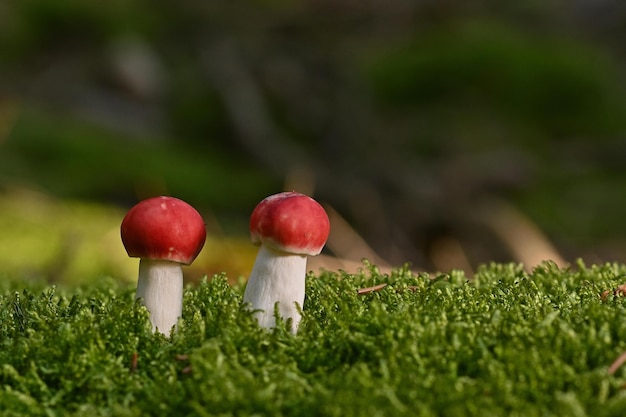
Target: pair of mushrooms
x: 165, y: 233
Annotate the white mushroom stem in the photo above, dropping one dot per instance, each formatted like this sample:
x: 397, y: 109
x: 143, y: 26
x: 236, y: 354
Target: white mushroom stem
x: 160, y: 287
x: 276, y: 277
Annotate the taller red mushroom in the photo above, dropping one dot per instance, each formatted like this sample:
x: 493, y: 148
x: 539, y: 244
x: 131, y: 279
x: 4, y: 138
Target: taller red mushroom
x: 288, y: 226
x: 165, y: 233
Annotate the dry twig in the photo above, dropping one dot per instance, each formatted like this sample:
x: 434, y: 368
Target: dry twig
x: 368, y: 290
x: 134, y: 362
x: 617, y: 363
x: 620, y: 291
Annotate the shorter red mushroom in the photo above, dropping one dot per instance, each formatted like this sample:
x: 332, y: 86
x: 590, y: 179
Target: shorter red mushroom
x: 165, y: 233
x: 288, y: 226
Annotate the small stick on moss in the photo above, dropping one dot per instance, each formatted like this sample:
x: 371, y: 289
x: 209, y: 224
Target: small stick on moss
x: 617, y: 363
x: 379, y: 287
x: 368, y: 290
x: 619, y: 291
x: 134, y: 362
x: 182, y: 358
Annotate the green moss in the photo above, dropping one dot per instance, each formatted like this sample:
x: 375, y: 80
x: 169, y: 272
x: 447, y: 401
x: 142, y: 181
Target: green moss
x: 506, y: 343
x: 74, y: 159
x: 560, y: 87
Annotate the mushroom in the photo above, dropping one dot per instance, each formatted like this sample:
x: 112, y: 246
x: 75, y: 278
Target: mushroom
x: 165, y: 233
x: 288, y: 226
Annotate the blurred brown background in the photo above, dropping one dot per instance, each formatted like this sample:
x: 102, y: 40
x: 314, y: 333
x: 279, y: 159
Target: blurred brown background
x: 446, y: 134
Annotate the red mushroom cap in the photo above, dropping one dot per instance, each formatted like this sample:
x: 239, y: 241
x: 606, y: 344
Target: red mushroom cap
x: 290, y: 222
x: 163, y: 228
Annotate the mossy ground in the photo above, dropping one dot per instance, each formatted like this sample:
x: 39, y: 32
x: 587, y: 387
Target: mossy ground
x: 506, y: 343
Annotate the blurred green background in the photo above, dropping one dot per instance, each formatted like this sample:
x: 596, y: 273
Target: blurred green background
x: 444, y: 134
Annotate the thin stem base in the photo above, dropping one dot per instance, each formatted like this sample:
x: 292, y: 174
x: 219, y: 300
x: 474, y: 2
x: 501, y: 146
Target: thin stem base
x: 160, y: 286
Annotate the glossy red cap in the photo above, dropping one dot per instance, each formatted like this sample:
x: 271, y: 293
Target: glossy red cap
x: 163, y: 228
x: 290, y: 222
